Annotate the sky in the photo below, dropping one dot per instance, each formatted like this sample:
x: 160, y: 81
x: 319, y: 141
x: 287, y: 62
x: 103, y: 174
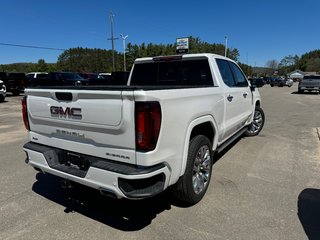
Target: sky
x: 261, y: 30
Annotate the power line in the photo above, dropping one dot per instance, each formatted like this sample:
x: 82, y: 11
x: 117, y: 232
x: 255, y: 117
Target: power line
x: 28, y: 46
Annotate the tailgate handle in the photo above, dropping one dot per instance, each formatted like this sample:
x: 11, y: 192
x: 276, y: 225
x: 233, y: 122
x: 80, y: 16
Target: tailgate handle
x: 64, y: 96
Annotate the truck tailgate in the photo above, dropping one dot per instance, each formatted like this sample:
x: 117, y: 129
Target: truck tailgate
x: 92, y: 122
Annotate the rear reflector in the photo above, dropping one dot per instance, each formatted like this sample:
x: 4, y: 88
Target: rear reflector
x: 148, y: 123
x: 25, y: 113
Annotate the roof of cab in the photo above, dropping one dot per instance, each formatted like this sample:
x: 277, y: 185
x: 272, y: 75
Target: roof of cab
x: 184, y: 56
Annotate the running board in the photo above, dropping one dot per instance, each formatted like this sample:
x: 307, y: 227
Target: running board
x: 230, y: 140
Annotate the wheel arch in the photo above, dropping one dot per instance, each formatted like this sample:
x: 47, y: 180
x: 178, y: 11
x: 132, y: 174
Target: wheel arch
x: 204, y: 125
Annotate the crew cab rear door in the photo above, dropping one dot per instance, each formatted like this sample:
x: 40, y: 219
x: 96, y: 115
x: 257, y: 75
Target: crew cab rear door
x: 238, y: 97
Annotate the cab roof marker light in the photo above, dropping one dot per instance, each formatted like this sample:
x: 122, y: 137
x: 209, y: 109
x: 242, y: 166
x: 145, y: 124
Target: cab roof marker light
x: 167, y: 58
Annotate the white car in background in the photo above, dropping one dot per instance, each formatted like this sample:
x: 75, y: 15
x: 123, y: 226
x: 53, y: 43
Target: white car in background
x: 289, y: 82
x: 105, y: 75
x: 3, y: 91
x: 36, y: 78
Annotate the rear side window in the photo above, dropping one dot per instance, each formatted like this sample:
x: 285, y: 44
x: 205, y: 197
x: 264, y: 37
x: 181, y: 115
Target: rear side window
x: 184, y: 73
x: 42, y: 76
x: 30, y: 76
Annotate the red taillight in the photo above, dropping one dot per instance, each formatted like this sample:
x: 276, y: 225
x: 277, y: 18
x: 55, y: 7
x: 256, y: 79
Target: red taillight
x: 148, y: 123
x: 25, y: 113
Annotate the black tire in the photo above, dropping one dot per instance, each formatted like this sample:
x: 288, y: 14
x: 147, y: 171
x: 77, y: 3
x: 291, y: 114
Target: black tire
x: 300, y: 91
x: 2, y: 98
x: 185, y: 190
x: 258, y: 122
x: 271, y: 85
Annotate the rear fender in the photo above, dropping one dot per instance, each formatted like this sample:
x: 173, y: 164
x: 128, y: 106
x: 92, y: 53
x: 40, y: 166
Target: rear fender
x: 192, y: 125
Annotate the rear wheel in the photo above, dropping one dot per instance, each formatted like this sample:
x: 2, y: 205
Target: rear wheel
x: 257, y: 123
x: 192, y: 186
x: 1, y: 98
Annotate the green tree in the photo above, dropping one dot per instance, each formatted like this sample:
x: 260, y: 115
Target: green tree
x: 309, y: 62
x: 42, y: 66
x: 88, y: 60
x: 248, y: 70
x: 196, y: 45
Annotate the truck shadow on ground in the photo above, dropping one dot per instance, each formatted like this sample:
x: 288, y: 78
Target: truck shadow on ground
x: 122, y: 214
x: 309, y: 212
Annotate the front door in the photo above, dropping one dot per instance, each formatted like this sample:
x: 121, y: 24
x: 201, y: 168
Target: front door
x: 238, y: 97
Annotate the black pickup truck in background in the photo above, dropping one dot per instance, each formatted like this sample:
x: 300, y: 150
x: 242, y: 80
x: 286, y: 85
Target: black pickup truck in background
x: 15, y: 83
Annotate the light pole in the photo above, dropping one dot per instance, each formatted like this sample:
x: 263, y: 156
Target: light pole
x: 225, y: 46
x: 124, y: 50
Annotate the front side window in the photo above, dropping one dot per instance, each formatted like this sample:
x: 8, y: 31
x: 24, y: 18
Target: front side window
x: 231, y: 74
x: 226, y: 72
x: 240, y: 79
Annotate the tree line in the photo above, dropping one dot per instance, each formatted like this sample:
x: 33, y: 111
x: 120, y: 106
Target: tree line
x: 308, y: 62
x: 100, y: 60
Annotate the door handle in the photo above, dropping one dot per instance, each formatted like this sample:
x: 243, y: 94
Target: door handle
x: 230, y: 97
x: 245, y: 94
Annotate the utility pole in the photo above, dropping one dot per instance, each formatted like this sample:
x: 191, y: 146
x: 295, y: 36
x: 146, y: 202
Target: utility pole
x: 112, y: 40
x: 124, y: 50
x: 225, y: 46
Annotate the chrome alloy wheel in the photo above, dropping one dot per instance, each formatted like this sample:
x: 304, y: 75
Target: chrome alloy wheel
x: 201, y: 169
x: 257, y: 123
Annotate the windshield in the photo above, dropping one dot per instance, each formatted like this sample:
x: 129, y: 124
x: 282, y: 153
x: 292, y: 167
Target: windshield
x: 17, y: 75
x: 311, y: 77
x: 70, y: 76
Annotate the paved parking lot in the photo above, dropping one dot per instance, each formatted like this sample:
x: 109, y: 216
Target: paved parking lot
x: 265, y: 187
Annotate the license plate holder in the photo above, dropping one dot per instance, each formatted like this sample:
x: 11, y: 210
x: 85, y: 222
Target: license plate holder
x: 76, y: 161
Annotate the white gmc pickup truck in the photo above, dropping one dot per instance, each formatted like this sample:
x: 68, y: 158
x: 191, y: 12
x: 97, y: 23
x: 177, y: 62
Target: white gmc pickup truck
x: 162, y: 129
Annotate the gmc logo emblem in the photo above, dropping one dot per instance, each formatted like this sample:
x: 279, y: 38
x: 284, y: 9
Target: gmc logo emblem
x: 66, y: 113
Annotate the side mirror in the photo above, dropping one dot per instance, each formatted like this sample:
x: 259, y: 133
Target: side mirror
x: 256, y: 83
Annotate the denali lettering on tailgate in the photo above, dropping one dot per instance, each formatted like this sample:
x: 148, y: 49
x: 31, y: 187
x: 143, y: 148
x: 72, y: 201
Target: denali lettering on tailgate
x: 66, y: 113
